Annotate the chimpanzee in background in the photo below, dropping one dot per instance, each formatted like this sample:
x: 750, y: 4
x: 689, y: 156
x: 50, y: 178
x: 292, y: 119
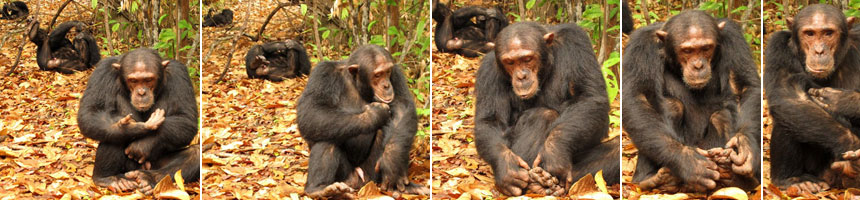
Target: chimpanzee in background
x: 812, y: 81
x: 55, y: 52
x: 220, y: 19
x: 143, y: 112
x: 358, y: 118
x: 542, y: 106
x: 277, y: 61
x: 14, y: 10
x: 469, y: 31
x: 626, y: 17
x: 691, y: 102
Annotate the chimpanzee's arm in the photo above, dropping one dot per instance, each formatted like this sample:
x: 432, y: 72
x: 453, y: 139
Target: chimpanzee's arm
x: 444, y: 33
x: 788, y: 103
x: 849, y: 105
x: 736, y: 56
x: 400, y: 131
x: 180, y: 122
x: 584, y: 121
x: 492, y: 111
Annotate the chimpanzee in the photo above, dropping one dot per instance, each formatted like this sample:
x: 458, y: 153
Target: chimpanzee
x: 55, y: 52
x: 468, y: 31
x: 626, y: 17
x: 14, y: 10
x: 220, y: 19
x: 541, y: 105
x: 358, y: 118
x: 276, y: 61
x: 812, y: 81
x: 691, y: 104
x: 142, y: 111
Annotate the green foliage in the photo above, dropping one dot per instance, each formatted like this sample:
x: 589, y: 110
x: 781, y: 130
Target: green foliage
x: 718, y: 8
x: 591, y: 20
x: 854, y: 10
x: 612, y: 87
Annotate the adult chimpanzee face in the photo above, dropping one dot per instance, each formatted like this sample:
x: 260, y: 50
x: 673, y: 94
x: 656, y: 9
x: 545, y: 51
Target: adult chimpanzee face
x: 522, y: 62
x: 141, y: 73
x: 371, y: 66
x: 141, y: 82
x: 694, y: 55
x: 380, y: 79
x: 694, y: 47
x: 819, y: 36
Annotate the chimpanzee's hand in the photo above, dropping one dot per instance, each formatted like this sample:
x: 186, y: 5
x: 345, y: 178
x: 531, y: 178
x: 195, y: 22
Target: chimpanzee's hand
x: 663, y: 181
x: 155, y: 120
x: 697, y: 171
x: 850, y: 167
x: 722, y: 157
x: 512, y: 175
x: 140, y: 150
x: 828, y: 98
x: 544, y: 183
x: 260, y: 61
x: 553, y: 160
x: 741, y: 155
x: 378, y: 111
x: 394, y: 178
x: 126, y: 122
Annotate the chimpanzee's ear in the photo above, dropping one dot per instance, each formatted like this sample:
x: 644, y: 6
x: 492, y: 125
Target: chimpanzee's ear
x: 353, y: 69
x: 789, y: 21
x: 661, y: 35
x: 116, y: 65
x: 548, y: 38
x: 165, y: 63
x: 721, y: 25
x: 850, y: 21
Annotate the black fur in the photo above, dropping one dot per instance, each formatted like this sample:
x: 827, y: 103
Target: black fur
x: 221, y: 19
x: 14, y: 10
x: 476, y: 37
x: 626, y: 16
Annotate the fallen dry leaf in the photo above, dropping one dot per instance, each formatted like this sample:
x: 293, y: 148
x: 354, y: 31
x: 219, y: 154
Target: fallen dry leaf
x: 729, y: 193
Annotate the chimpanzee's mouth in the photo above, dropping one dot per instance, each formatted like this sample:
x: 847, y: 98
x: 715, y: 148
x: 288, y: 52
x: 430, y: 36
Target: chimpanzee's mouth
x: 383, y: 100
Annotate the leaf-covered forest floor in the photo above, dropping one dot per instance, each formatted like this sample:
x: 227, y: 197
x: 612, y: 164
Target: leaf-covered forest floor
x: 257, y: 151
x: 42, y: 153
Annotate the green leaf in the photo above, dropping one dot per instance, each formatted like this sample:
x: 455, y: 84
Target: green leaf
x: 370, y: 25
x: 393, y: 31
x: 161, y: 18
x: 739, y: 9
x: 530, y: 4
x: 377, y: 40
x: 326, y: 34
x: 304, y: 8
